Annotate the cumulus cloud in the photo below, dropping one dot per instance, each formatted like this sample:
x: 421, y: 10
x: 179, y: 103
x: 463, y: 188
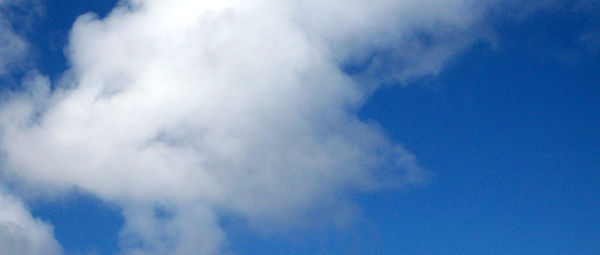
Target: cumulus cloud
x: 183, y: 110
x: 21, y: 234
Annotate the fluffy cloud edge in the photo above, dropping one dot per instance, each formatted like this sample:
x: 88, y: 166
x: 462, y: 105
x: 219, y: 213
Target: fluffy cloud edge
x: 21, y: 233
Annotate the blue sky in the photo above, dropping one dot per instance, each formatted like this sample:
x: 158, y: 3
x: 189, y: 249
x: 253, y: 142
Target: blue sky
x: 506, y: 126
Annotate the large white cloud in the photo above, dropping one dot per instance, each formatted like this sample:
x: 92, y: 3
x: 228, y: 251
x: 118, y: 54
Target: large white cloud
x: 196, y: 108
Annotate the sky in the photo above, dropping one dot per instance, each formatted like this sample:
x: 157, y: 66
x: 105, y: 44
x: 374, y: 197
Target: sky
x: 148, y: 127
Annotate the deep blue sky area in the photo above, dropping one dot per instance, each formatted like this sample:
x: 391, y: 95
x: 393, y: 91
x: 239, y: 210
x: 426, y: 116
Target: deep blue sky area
x: 510, y: 129
x: 513, y: 135
x: 83, y: 224
x: 51, y: 30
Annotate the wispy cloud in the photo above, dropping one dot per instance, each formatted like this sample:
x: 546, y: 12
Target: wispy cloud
x: 13, y: 47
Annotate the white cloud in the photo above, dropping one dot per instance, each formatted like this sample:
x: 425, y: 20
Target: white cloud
x: 21, y: 234
x: 204, y: 107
